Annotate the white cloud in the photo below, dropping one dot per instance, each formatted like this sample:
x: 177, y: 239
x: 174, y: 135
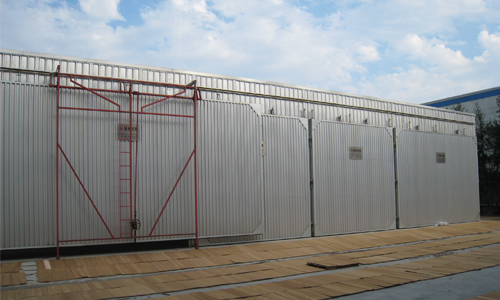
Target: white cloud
x: 414, y: 83
x: 101, y: 9
x: 432, y: 51
x: 368, y: 53
x: 265, y: 40
x: 391, y: 20
x: 441, y: 72
x: 402, y: 50
x: 491, y: 44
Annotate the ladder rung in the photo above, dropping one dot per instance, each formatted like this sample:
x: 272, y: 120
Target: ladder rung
x: 125, y: 179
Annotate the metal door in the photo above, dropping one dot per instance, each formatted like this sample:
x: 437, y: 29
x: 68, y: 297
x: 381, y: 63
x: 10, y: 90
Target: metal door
x: 437, y: 178
x: 230, y: 169
x: 286, y: 177
x: 353, y: 178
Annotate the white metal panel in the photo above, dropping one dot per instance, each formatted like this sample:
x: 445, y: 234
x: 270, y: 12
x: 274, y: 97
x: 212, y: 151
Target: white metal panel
x: 431, y: 192
x: 286, y: 177
x: 27, y: 165
x: 352, y: 195
x: 229, y: 169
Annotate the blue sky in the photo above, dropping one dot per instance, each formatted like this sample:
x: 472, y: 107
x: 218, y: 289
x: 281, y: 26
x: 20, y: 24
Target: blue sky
x: 413, y: 51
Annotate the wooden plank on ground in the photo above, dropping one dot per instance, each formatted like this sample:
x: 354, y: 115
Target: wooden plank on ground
x: 13, y: 267
x: 365, y: 283
x: 9, y: 279
x: 343, y: 289
x: 333, y: 263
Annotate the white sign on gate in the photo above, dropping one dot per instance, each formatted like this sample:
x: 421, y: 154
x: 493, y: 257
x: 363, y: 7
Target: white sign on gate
x: 124, y: 131
x: 356, y: 153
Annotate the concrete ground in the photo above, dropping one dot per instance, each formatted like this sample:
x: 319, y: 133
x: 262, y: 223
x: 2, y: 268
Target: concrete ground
x: 459, y: 261
x: 453, y: 287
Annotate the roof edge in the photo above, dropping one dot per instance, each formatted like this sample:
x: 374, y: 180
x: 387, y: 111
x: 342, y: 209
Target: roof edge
x: 491, y: 92
x: 153, y: 68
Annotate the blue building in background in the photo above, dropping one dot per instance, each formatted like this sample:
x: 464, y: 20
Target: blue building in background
x: 486, y: 99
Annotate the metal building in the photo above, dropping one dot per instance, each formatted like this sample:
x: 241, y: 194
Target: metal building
x: 485, y: 99
x: 100, y: 152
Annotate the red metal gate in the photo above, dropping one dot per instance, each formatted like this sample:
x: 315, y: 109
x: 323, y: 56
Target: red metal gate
x: 128, y: 136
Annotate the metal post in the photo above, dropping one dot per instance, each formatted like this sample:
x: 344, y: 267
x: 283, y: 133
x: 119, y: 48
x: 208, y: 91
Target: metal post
x: 130, y: 157
x: 57, y: 156
x: 136, y: 157
x: 396, y: 176
x: 311, y: 176
x: 195, y: 167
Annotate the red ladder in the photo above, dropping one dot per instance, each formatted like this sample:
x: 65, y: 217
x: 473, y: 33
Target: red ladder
x: 125, y: 162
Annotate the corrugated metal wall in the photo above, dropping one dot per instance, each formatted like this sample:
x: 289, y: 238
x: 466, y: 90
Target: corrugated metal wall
x: 165, y: 145
x: 89, y: 140
x: 230, y: 169
x: 352, y: 195
x: 243, y: 195
x: 27, y: 183
x: 286, y: 177
x: 229, y: 165
x: 432, y: 191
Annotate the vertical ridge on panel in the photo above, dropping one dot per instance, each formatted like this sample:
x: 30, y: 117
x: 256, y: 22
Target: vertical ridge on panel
x: 3, y: 204
x: 286, y: 177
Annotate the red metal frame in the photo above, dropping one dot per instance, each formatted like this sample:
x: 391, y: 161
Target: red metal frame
x: 132, y: 198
